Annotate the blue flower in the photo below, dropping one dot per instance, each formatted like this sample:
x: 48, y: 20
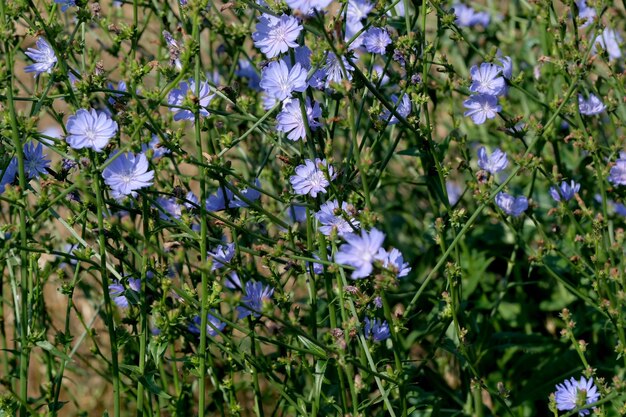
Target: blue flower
x: 255, y: 294
x: 44, y: 58
x: 275, y: 35
x: 487, y: 79
x: 7, y: 176
x: 155, y: 145
x: 354, y: 27
x: 307, y: 6
x: 360, y: 252
x: 334, y: 71
x: 358, y: 10
x: 121, y: 87
x: 585, y: 13
x: 65, y: 4
x: 311, y: 178
x: 511, y: 205
x: 570, y: 393
x: 192, y: 201
x: 617, y: 175
x: 127, y: 173
x: 394, y: 261
x: 468, y: 17
x: 296, y: 213
x: 331, y: 216
x: 278, y: 81
x: 376, y: 329
x: 90, y: 129
x: 247, y: 70
x: 35, y: 162
x: 290, y: 119
x: 221, y: 256
x: 609, y: 40
x: 482, y: 107
x: 506, y: 65
x: 169, y: 208
x: 591, y: 106
x: 218, y: 201
x: 376, y: 40
x: 493, y: 164
x: 213, y: 326
x: 178, y: 95
x: 116, y: 290
x: 454, y: 192
x: 565, y: 191
x: 403, y: 109
x: 302, y: 56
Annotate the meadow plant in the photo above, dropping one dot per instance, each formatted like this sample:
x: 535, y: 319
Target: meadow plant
x: 312, y: 208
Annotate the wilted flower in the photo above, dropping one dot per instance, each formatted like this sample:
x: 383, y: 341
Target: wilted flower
x: 360, y: 252
x: 572, y: 394
x: 511, y: 205
x: 565, y: 191
x: 44, y: 58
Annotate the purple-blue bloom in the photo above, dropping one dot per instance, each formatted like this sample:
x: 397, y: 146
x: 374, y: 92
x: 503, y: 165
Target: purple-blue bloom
x: 168, y: 208
x: 493, y: 163
x: 358, y: 10
x: 403, y: 108
x: 591, y: 106
x: 127, y: 173
x: 569, y: 394
x: 90, y: 129
x: 617, y: 175
x: 487, y: 79
x: 178, y: 95
x: 609, y: 40
x: 213, y: 325
x: 585, y: 12
x: 121, y: 86
x: 218, y: 201
x: 331, y: 216
x: 275, y: 35
x: 290, y: 119
x: 360, y: 252
x: 377, y: 40
x: 8, y: 174
x: 44, y: 58
x: 394, y: 261
x: 221, y: 256
x: 564, y: 191
x: 35, y: 162
x: 506, y: 65
x: 116, y: 290
x: 278, y: 81
x: 376, y: 329
x: 155, y: 145
x: 335, y: 71
x: 468, y: 17
x: 255, y: 294
x: 481, y: 107
x: 311, y: 178
x: 65, y: 4
x: 247, y: 70
x: 302, y: 55
x: 511, y: 205
x: 307, y: 6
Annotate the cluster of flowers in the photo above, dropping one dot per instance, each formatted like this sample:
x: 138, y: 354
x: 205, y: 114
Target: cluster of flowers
x: 488, y: 83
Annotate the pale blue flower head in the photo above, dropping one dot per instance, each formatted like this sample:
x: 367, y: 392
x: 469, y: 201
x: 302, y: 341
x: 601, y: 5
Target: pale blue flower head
x: 358, y: 10
x: 90, y: 129
x: 213, y: 325
x: 224, y: 197
x: 493, y: 163
x: 585, y: 13
x: 487, y: 79
x: 403, y: 108
x: 376, y: 40
x: 302, y: 55
x: 511, y: 205
x: 569, y: 392
x: 331, y: 216
x: 279, y: 82
x: 307, y: 6
x: 394, y: 261
x: 506, y: 65
x: 564, y: 191
x: 127, y: 174
x: 591, y: 106
x: 617, y: 174
x: 8, y: 174
x: 255, y: 294
x: 116, y: 290
x: 246, y: 70
x: 311, y: 177
x: 609, y: 40
x: 275, y: 35
x: 334, y: 70
x: 360, y: 251
x: 222, y: 255
x: 65, y: 4
x: 178, y: 95
x: 468, y: 17
x: 168, y: 208
x: 155, y: 146
x: 35, y: 162
x: 44, y: 58
x: 290, y: 119
x: 481, y: 107
x: 376, y: 329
